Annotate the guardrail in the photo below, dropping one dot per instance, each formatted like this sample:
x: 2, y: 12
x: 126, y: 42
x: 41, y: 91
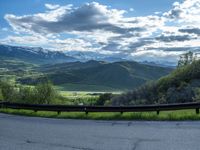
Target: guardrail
x: 87, y: 109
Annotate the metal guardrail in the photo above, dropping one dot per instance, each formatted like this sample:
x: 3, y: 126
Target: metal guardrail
x: 87, y: 109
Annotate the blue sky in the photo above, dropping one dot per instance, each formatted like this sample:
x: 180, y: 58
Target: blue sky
x: 137, y: 30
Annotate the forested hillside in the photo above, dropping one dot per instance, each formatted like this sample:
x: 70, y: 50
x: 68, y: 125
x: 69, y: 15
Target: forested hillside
x: 182, y: 85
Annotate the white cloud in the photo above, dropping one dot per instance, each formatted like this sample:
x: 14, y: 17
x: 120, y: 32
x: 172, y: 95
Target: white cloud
x: 99, y: 27
x: 131, y: 9
x: 51, y: 6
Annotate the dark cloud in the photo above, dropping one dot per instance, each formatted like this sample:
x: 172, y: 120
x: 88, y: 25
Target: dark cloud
x: 176, y: 49
x: 111, y: 46
x: 175, y: 13
x: 172, y: 38
x: 191, y: 31
x: 140, y: 43
x: 88, y: 17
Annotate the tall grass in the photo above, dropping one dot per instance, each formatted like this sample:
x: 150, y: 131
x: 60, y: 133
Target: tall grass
x: 179, y: 115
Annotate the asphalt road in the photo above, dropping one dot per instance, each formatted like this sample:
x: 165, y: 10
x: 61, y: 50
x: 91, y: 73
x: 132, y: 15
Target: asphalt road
x: 24, y: 133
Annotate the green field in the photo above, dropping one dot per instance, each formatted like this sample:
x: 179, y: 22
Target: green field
x: 85, y: 88
x: 180, y: 115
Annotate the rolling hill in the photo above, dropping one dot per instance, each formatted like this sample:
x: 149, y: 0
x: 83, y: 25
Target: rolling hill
x: 118, y: 75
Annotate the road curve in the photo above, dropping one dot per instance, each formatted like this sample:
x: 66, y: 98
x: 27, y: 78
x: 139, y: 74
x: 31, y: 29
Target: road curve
x: 33, y: 133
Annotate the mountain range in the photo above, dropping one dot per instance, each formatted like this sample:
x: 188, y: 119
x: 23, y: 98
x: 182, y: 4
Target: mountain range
x: 30, y: 65
x: 38, y: 55
x: 35, y: 55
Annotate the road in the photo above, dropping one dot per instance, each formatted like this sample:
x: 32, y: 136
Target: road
x: 33, y: 133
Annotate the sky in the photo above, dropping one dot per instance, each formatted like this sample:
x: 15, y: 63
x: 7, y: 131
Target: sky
x: 141, y: 30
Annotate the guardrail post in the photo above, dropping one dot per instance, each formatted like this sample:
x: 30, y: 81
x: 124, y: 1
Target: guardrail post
x: 158, y: 112
x: 1, y: 106
x: 197, y: 110
x: 86, y: 112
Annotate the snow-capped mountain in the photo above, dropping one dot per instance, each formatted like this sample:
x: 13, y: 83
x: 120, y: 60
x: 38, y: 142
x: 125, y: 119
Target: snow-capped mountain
x: 88, y: 55
x: 34, y: 54
x: 41, y: 55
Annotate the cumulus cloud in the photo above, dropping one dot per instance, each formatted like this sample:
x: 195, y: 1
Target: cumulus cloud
x: 89, y: 17
x: 97, y: 27
x: 176, y: 12
x: 187, y: 12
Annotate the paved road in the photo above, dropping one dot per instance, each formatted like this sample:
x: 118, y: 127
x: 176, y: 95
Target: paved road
x: 24, y: 133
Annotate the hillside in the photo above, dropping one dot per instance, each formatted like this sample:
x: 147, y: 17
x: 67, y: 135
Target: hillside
x: 182, y: 85
x: 117, y: 75
x: 36, y: 55
x: 14, y: 68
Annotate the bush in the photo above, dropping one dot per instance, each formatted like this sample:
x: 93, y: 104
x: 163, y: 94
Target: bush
x: 104, y: 98
x: 177, y: 87
x: 9, y: 92
x: 27, y: 95
x: 45, y: 93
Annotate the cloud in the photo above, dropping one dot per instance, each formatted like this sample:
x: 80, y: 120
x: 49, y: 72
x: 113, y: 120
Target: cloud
x: 191, y: 30
x: 172, y: 38
x: 97, y: 27
x: 88, y: 17
x: 176, y: 12
x: 50, y: 6
x: 159, y: 56
x: 131, y: 9
x: 187, y: 12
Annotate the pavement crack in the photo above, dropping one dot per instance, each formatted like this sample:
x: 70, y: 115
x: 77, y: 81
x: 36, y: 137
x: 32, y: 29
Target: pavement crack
x: 139, y: 141
x: 135, y: 145
x: 58, y: 145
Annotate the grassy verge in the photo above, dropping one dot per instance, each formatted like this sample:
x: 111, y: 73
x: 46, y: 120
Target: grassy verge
x: 163, y: 116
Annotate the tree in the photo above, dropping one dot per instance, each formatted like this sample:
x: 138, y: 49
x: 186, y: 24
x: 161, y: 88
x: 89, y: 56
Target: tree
x: 45, y: 93
x: 186, y: 59
x: 103, y: 98
x: 9, y: 92
x: 197, y: 95
x: 27, y: 94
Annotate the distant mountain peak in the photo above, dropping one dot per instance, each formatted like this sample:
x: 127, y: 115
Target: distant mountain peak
x: 34, y: 54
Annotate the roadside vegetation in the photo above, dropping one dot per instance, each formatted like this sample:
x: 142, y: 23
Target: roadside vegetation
x: 180, y: 115
x: 46, y: 93
x: 182, y: 85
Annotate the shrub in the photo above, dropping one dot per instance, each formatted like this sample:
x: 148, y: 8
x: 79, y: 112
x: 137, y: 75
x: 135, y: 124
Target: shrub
x: 104, y: 98
x: 45, y: 93
x: 9, y: 92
